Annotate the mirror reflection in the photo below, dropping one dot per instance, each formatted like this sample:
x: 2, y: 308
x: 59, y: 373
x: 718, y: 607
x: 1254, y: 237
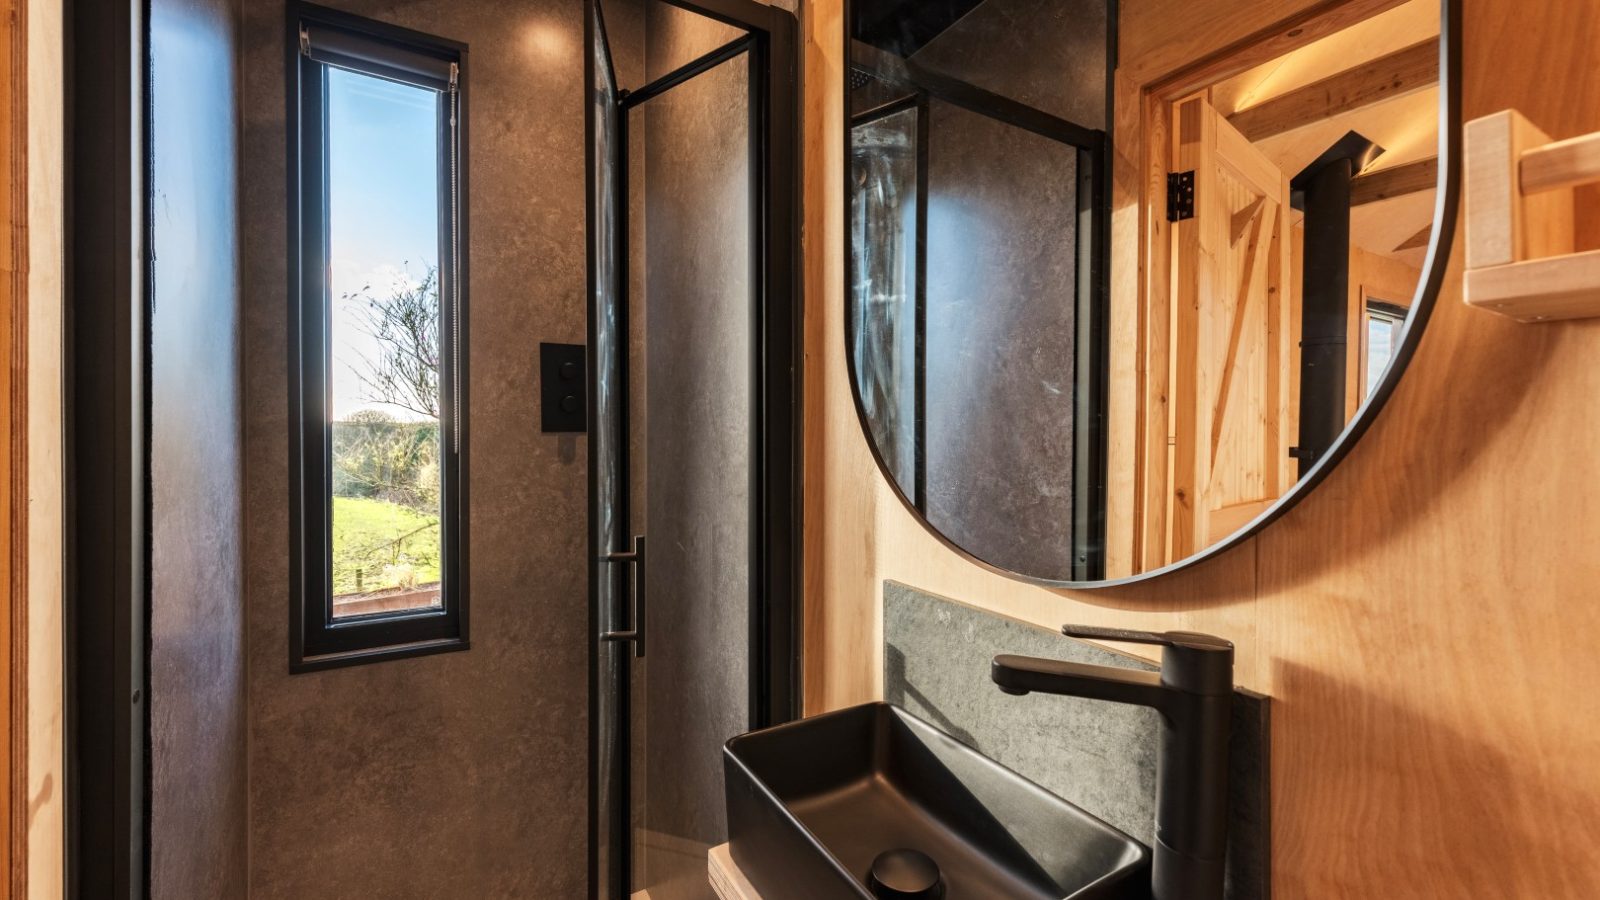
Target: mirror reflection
x: 1096, y: 327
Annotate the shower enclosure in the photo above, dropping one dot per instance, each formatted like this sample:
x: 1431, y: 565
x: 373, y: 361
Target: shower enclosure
x: 693, y: 420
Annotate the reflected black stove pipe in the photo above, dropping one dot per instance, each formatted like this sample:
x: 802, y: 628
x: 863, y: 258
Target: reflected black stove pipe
x: 1325, y: 309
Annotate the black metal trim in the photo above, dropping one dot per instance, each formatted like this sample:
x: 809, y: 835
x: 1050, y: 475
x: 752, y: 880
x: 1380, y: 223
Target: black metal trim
x: 1091, y: 356
x: 914, y: 100
x: 107, y: 432
x: 919, y: 337
x: 620, y: 841
x: 316, y: 640
x: 1393, y: 311
x: 704, y: 63
x: 1446, y: 207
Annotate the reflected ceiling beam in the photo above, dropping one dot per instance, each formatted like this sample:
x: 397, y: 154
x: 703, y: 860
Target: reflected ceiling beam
x: 1412, y: 178
x: 1400, y: 73
x: 1418, y: 240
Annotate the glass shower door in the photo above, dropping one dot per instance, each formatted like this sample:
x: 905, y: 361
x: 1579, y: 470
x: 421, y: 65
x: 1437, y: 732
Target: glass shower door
x: 693, y: 433
x: 608, y: 468
x: 676, y: 288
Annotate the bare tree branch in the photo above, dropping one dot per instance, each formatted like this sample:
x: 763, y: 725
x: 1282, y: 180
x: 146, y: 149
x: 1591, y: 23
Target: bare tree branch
x: 405, y: 323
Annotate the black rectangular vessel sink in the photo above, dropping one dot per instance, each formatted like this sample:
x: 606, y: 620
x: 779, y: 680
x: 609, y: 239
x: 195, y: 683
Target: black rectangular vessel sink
x: 813, y: 803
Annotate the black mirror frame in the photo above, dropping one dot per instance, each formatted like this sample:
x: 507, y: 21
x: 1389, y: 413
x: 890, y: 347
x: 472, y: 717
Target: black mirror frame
x: 1446, y: 208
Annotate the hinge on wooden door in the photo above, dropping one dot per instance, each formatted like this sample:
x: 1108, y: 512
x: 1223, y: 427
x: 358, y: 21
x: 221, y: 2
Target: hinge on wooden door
x: 1180, y: 196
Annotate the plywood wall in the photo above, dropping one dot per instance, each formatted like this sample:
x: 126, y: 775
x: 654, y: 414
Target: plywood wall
x: 13, y: 361
x: 1424, y: 621
x: 41, y: 874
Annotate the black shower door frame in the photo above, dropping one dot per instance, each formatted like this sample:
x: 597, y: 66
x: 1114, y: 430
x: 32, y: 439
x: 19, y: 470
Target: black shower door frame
x: 776, y: 359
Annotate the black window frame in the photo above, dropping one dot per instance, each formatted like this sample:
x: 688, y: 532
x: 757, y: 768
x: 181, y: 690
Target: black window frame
x: 316, y: 640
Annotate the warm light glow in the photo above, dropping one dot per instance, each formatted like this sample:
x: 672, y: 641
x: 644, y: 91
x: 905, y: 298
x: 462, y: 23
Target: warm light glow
x: 1385, y: 33
x: 547, y: 42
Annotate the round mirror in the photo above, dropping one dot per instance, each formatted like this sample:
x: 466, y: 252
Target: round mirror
x: 1105, y: 322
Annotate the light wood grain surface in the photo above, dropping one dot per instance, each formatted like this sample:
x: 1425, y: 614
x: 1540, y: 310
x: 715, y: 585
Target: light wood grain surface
x: 727, y: 881
x: 1385, y: 184
x: 45, y: 793
x: 1424, y: 621
x: 1521, y: 220
x: 1393, y: 75
x: 1502, y: 225
x: 13, y: 456
x: 1561, y: 163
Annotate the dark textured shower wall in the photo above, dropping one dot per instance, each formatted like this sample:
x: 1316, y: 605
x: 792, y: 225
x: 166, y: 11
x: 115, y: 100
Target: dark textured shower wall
x: 698, y: 377
x: 1001, y: 317
x: 462, y: 774
x: 197, y: 611
x: 1047, y: 54
x: 1002, y: 281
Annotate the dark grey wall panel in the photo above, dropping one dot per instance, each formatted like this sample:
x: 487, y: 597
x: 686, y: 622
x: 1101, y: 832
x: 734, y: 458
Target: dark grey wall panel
x: 197, y: 630
x: 463, y: 774
x: 1101, y: 756
x: 1002, y: 284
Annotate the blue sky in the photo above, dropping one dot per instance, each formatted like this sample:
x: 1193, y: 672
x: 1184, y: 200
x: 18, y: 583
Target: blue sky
x: 383, y: 193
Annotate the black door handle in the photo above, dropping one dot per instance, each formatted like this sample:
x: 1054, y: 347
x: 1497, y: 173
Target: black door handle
x: 636, y: 558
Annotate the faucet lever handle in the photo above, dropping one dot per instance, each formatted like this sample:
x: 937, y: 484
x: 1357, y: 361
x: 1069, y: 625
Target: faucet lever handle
x: 1190, y: 661
x: 1190, y: 640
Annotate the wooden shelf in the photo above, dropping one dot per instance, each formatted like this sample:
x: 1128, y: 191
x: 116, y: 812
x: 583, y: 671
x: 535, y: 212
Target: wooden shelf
x: 726, y: 880
x: 1519, y: 221
x: 1539, y: 290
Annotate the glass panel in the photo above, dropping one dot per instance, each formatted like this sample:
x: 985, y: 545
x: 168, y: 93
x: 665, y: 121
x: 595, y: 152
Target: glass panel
x: 610, y: 472
x: 384, y: 324
x: 692, y: 388
x: 887, y: 315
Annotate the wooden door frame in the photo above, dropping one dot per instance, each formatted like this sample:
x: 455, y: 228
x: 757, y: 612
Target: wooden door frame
x: 1146, y: 131
x: 14, y: 460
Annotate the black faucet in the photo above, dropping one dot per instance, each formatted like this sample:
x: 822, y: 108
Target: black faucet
x: 1194, y: 695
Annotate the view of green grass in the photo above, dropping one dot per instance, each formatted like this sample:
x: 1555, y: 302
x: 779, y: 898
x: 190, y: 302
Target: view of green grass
x: 379, y: 545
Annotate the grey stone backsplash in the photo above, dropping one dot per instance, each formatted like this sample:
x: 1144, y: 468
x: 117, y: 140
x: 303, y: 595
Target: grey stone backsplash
x: 1100, y: 756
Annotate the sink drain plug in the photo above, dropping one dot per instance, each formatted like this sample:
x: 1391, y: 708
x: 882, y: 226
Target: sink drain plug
x: 905, y: 873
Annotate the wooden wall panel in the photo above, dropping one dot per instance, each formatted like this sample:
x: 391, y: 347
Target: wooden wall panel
x: 1424, y: 620
x: 1426, y: 647
x: 1372, y: 277
x: 13, y: 453
x: 45, y: 797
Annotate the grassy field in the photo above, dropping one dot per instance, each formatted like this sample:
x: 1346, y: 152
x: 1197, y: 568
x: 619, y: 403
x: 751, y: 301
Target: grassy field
x: 387, y: 545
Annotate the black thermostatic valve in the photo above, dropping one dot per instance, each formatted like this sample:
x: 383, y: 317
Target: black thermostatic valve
x: 563, y: 388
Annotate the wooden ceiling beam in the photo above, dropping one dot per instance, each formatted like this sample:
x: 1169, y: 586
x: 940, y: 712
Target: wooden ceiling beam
x: 1385, y: 78
x: 1412, y: 178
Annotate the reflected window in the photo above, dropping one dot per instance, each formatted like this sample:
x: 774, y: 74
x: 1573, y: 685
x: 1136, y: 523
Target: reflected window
x: 1385, y: 321
x: 380, y: 307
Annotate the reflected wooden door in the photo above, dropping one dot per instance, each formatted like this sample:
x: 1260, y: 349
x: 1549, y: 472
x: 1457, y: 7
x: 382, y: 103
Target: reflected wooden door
x: 13, y: 450
x: 1234, y: 359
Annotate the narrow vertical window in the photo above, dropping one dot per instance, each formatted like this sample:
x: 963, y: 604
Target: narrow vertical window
x: 378, y: 306
x: 1386, y: 323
